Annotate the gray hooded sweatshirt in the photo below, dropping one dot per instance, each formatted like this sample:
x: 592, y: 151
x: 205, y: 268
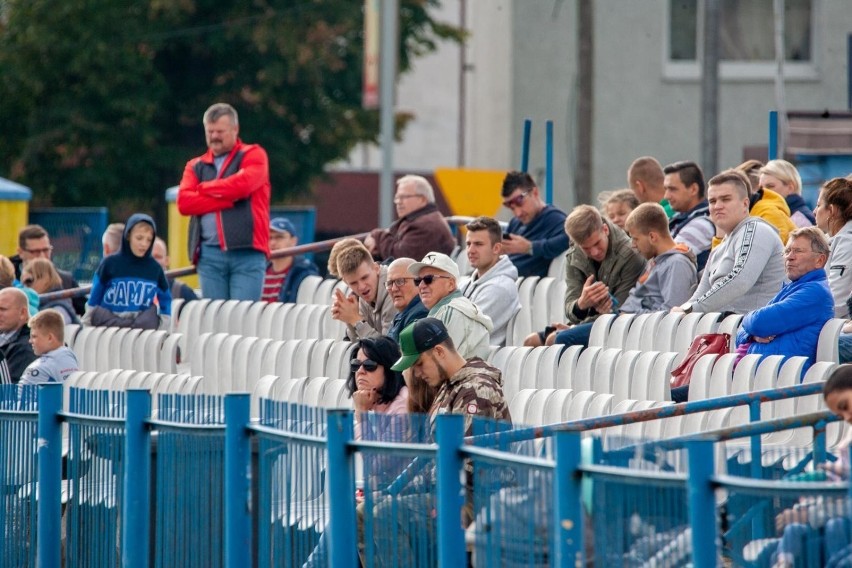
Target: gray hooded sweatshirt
x: 671, y: 281
x: 51, y: 367
x: 496, y: 294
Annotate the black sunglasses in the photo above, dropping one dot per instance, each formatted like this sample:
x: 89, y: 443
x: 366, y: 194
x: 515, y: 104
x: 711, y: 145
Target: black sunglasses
x: 368, y: 364
x: 428, y: 279
x: 28, y: 281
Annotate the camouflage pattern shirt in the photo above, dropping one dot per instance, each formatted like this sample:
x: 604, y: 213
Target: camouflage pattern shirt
x: 475, y: 390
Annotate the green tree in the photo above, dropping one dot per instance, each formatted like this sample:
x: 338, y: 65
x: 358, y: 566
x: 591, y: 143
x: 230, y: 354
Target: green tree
x: 101, y: 101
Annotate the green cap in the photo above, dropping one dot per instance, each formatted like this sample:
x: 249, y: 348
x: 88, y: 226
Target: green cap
x: 417, y: 338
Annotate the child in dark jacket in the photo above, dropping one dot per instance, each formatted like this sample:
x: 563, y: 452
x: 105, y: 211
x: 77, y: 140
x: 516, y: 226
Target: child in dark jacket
x: 128, y: 286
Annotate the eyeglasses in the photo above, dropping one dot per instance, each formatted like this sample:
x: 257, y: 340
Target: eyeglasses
x: 792, y: 251
x: 45, y: 250
x: 368, y: 364
x: 28, y: 281
x: 399, y: 198
x: 398, y: 282
x: 428, y: 279
x: 516, y: 201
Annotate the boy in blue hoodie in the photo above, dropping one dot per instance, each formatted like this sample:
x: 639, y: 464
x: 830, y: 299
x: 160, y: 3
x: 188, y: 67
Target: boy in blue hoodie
x: 129, y: 286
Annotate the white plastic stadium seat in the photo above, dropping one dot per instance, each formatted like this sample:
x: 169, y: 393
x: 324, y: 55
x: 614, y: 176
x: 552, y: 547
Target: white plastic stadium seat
x: 307, y: 289
x: 827, y: 348
x: 600, y: 330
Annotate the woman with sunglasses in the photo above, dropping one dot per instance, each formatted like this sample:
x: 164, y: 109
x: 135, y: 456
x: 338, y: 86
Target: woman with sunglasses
x: 374, y: 387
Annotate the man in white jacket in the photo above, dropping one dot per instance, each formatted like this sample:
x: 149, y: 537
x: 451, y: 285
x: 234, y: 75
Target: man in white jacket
x: 493, y: 284
x: 436, y: 277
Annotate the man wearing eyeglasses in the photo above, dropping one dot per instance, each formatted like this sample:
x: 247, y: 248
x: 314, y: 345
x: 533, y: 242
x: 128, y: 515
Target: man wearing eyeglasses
x: 420, y: 227
x: 34, y: 242
x: 436, y: 277
x: 535, y: 235
x: 404, y: 295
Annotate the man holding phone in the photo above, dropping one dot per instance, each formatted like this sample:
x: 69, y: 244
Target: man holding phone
x: 600, y: 269
x: 368, y: 312
x: 535, y: 235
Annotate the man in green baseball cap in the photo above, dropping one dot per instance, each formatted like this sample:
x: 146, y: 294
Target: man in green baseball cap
x: 470, y: 387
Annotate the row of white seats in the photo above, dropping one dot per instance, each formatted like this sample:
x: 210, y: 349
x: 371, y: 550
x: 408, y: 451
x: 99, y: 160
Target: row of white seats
x: 627, y: 374
x: 105, y: 348
x: 662, y: 331
x: 234, y: 363
x: 272, y: 320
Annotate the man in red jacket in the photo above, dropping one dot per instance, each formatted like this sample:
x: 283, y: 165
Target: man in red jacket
x: 226, y: 191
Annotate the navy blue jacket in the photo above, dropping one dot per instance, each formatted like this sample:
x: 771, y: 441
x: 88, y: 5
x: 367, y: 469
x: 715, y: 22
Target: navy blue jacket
x: 414, y: 311
x: 549, y: 239
x: 299, y: 270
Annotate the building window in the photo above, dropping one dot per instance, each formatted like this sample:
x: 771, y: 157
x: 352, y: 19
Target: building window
x: 746, y: 36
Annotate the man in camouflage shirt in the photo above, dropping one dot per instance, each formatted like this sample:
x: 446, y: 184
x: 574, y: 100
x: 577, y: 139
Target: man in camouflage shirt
x: 469, y: 387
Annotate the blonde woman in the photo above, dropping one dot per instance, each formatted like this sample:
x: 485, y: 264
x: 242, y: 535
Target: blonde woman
x: 783, y: 178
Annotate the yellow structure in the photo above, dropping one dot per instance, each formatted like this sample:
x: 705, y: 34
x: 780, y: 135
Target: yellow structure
x: 178, y: 234
x: 471, y: 192
x: 14, y: 213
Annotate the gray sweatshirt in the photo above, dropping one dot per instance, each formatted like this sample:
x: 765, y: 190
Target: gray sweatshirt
x: 671, y: 281
x: 496, y: 294
x: 51, y: 367
x: 744, y: 272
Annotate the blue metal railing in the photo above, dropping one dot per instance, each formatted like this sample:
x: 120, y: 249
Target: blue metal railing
x: 202, y: 508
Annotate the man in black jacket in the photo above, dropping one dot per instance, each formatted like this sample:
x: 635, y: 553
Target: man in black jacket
x: 14, y: 332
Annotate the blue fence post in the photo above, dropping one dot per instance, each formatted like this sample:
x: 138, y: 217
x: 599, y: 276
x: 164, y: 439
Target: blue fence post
x: 238, y: 549
x: 343, y: 540
x: 525, y: 145
x: 756, y: 461
x: 702, y: 504
x: 820, y: 450
x: 450, y: 491
x: 568, y: 520
x: 136, y: 514
x: 49, y: 476
x: 773, y: 134
x: 548, y: 162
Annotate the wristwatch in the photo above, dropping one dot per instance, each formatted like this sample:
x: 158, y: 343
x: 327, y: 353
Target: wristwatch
x: 687, y: 307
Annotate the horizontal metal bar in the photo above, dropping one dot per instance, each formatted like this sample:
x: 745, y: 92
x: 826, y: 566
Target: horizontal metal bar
x: 284, y: 435
x: 168, y: 425
x: 500, y: 458
x: 74, y: 418
x: 680, y: 409
x: 636, y: 476
x: 409, y: 449
x: 771, y: 488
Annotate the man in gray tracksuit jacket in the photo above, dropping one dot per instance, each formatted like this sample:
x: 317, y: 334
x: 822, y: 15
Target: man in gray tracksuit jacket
x: 746, y: 270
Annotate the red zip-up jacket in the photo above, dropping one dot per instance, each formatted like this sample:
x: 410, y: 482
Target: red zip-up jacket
x: 239, y: 196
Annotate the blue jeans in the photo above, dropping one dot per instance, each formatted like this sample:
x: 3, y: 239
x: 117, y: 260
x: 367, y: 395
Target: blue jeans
x: 844, y: 347
x: 231, y: 275
x: 576, y: 335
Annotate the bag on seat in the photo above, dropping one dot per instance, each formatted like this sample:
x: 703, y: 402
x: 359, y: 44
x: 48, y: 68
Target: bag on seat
x: 706, y: 344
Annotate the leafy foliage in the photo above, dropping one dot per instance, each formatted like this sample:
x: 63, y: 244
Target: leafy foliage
x: 101, y: 101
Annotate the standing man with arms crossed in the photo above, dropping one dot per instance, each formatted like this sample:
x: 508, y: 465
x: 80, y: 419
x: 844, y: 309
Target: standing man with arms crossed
x: 226, y: 191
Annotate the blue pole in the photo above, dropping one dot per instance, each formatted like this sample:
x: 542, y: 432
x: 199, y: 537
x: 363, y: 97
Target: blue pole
x: 773, y: 134
x: 49, y: 476
x: 568, y: 520
x: 342, y: 541
x: 450, y: 491
x: 548, y: 156
x: 756, y: 464
x: 136, y: 515
x: 238, y: 549
x: 702, y: 504
x: 525, y: 145
x: 819, y: 442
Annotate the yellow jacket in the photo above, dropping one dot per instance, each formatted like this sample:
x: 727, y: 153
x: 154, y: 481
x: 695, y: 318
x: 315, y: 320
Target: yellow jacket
x: 773, y: 209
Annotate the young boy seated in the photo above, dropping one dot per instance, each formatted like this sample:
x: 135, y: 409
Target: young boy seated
x: 55, y: 361
x: 129, y: 285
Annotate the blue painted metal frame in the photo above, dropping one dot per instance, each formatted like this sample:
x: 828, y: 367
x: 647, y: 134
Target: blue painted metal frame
x: 773, y: 135
x: 548, y: 162
x: 450, y: 435
x: 525, y: 145
x: 136, y: 520
x: 49, y: 475
x: 238, y: 517
x: 341, y: 481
